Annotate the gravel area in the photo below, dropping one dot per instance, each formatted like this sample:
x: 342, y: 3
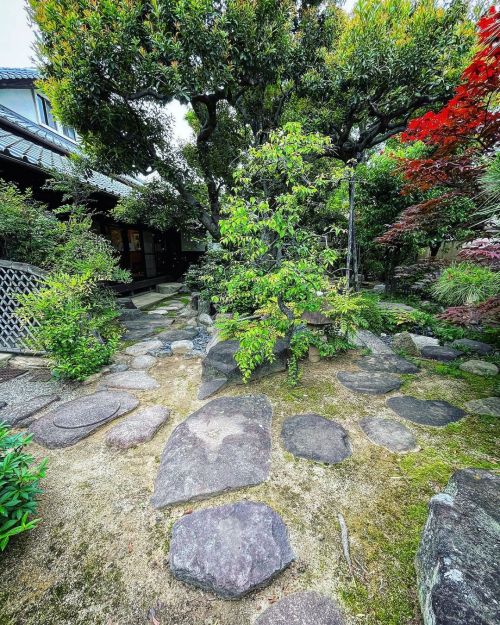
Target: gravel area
x: 28, y: 386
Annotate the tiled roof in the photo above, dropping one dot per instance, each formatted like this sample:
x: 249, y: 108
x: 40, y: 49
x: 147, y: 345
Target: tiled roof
x: 37, y: 131
x: 43, y: 158
x: 18, y: 73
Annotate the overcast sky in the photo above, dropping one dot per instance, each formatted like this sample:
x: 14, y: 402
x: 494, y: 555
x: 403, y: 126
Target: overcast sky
x: 16, y: 49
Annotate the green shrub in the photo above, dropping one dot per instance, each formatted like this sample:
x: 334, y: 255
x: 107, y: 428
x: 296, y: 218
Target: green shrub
x: 19, y: 485
x: 74, y: 322
x: 466, y: 283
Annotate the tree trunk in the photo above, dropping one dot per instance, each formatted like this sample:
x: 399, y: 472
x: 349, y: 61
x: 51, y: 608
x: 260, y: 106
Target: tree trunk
x: 352, y: 249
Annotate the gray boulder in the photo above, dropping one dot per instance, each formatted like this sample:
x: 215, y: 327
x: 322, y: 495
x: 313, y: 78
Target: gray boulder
x: 137, y: 380
x: 187, y: 334
x: 313, y: 437
x: 437, y: 352
x: 223, y: 446
x: 489, y: 407
x: 74, y: 420
x: 143, y: 348
x: 479, y: 367
x: 230, y: 550
x: 457, y: 563
x: 425, y: 411
x: 138, y: 428
x: 21, y: 415
x: 476, y: 347
x: 412, y: 344
x: 365, y: 338
x: 391, y: 363
x: 372, y: 382
x: 389, y: 433
x: 141, y: 362
x: 219, y: 364
x: 396, y: 307
x: 302, y: 608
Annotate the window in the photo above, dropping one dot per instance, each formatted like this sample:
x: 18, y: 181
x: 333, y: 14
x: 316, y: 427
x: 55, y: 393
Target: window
x: 45, y: 111
x: 69, y: 132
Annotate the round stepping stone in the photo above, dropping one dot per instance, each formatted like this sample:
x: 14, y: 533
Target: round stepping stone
x: 223, y: 446
x: 479, y: 367
x: 477, y: 347
x: 373, y: 382
x: 302, y: 608
x: 315, y: 438
x: 85, y: 414
x: 437, y: 352
x: 387, y: 362
x: 230, y: 550
x: 139, y: 428
x: 388, y: 433
x: 140, y: 349
x: 489, y: 407
x: 133, y: 380
x: 142, y: 362
x: 425, y: 411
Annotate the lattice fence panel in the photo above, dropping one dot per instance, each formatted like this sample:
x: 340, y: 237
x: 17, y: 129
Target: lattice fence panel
x: 16, y: 278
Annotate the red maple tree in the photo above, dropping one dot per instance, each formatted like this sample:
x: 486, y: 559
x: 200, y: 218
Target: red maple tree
x: 462, y: 132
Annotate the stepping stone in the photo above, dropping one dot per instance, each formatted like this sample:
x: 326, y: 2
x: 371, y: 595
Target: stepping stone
x: 142, y: 362
x: 230, y: 550
x: 479, y: 367
x: 477, y: 347
x: 118, y: 368
x: 302, y: 608
x: 425, y: 411
x: 207, y: 389
x: 181, y: 347
x: 170, y: 336
x: 74, y: 420
x: 134, y: 380
x: 223, y: 446
x: 489, y: 407
x: 437, y: 352
x: 143, y: 348
x: 387, y: 362
x: 457, y: 560
x: 21, y: 415
x: 365, y: 338
x: 396, y: 306
x: 315, y: 438
x: 412, y: 344
x: 373, y: 382
x: 139, y: 428
x: 388, y: 433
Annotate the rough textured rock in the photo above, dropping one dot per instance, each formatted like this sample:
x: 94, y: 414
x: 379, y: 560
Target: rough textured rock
x: 169, y: 336
x: 219, y: 363
x: 134, y: 380
x: 302, y: 608
x: 489, y: 407
x: 411, y: 343
x: 479, y: 367
x: 425, y: 411
x: 379, y: 288
x: 21, y: 415
x: 142, y: 362
x: 477, y: 347
x: 118, y: 368
x: 457, y: 563
x: 29, y: 362
x: 313, y: 437
x: 138, y: 428
x: 365, y: 338
x: 317, y: 319
x: 68, y: 423
x: 143, y: 348
x: 387, y: 362
x: 205, y: 319
x: 396, y: 306
x: 182, y: 347
x: 224, y: 445
x: 437, y: 352
x: 373, y: 382
x: 388, y: 433
x: 230, y: 550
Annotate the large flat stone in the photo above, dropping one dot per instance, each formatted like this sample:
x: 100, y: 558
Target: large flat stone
x: 458, y: 568
x: 396, y: 307
x: 412, y: 344
x: 365, y: 338
x: 372, y: 382
x: 137, y: 380
x: 230, y: 550
x: 142, y: 362
x: 223, y: 446
x: 72, y: 421
x: 489, y: 407
x: 313, y: 437
x: 437, y: 352
x: 21, y: 415
x: 138, y: 428
x: 391, y: 363
x: 143, y: 348
x: 170, y: 336
x: 302, y: 608
x: 389, y: 433
x: 425, y: 411
x: 479, y: 367
x: 476, y: 347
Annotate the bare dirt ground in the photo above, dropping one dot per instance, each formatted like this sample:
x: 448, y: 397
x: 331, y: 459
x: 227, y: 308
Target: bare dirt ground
x: 100, y: 554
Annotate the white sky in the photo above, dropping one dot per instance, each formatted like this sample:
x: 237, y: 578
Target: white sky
x: 16, y: 50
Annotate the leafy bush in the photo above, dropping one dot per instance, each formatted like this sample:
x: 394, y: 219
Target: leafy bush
x: 19, y: 485
x: 485, y: 314
x: 73, y: 322
x: 466, y: 283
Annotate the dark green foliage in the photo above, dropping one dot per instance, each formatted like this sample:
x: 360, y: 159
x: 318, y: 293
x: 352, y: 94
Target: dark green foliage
x: 19, y: 485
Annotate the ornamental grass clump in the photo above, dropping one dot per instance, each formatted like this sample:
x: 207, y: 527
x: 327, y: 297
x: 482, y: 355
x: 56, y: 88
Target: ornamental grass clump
x: 466, y: 283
